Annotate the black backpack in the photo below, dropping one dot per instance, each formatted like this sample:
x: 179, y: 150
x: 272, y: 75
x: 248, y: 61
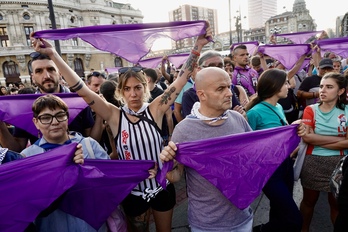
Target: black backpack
x: 337, y: 176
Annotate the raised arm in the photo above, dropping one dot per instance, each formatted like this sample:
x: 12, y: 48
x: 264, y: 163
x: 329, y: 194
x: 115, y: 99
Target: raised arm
x: 105, y: 110
x: 163, y: 69
x: 162, y: 103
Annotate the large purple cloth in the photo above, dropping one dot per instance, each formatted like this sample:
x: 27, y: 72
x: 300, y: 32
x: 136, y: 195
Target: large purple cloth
x: 299, y: 37
x: 130, y: 41
x: 238, y: 165
x: 93, y: 190
x: 30, y: 185
x: 287, y: 54
x: 105, y: 184
x: 16, y: 109
x: 176, y: 60
x: 337, y: 45
x: 251, y: 46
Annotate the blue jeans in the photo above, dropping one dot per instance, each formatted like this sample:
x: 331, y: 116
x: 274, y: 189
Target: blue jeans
x: 284, y: 214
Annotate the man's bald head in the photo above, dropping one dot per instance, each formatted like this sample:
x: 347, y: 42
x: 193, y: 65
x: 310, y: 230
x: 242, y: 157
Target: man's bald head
x: 207, y: 76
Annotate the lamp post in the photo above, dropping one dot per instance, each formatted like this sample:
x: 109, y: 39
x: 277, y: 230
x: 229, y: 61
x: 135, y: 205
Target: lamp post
x: 230, y: 20
x: 54, y: 26
x: 276, y: 30
x: 239, y: 26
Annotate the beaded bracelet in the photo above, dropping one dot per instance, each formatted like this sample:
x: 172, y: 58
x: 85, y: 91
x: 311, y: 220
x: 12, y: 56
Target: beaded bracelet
x: 194, y: 52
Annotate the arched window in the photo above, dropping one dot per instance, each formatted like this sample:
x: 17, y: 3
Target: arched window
x: 26, y: 16
x: 118, y: 62
x: 79, y: 67
x: 11, y: 72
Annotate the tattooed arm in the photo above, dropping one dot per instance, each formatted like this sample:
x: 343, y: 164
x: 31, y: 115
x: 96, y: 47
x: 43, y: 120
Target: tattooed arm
x: 160, y: 105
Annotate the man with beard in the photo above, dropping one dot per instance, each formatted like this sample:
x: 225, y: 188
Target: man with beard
x: 46, y: 77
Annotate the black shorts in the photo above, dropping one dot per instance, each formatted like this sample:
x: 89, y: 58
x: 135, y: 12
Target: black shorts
x: 135, y: 205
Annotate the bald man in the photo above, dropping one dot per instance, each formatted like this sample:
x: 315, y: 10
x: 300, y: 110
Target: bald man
x: 211, y: 117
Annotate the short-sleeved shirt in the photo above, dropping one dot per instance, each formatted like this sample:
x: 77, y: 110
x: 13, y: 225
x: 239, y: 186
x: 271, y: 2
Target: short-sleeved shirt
x: 333, y: 123
x: 247, y: 78
x: 262, y: 117
x: 188, y: 85
x: 311, y: 84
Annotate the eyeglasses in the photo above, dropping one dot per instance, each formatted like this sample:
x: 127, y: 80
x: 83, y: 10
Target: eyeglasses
x: 96, y: 74
x: 220, y: 65
x: 126, y: 69
x: 48, y: 118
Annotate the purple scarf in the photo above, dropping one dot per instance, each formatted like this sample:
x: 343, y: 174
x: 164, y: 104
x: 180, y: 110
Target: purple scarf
x: 176, y: 59
x: 238, y: 169
x: 287, y: 54
x: 16, y: 109
x: 251, y: 46
x: 93, y: 190
x: 299, y: 37
x: 337, y: 45
x: 130, y: 41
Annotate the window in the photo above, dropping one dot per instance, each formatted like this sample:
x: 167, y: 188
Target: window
x: 5, y: 42
x: 72, y: 19
x: 11, y: 72
x: 118, y: 62
x: 1, y: 17
x: 26, y: 16
x: 27, y: 31
x: 74, y: 42
x: 79, y: 67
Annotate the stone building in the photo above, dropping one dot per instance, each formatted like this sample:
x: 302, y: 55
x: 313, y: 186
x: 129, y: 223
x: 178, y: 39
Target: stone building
x: 19, y: 18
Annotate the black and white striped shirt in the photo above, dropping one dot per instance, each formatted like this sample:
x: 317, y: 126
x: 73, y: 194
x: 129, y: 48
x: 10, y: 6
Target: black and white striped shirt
x: 139, y: 141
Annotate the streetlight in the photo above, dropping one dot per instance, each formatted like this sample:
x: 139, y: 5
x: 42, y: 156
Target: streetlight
x: 239, y: 26
x: 230, y: 20
x: 54, y: 26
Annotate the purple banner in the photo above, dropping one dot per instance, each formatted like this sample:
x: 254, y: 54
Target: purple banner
x: 299, y: 37
x: 337, y: 45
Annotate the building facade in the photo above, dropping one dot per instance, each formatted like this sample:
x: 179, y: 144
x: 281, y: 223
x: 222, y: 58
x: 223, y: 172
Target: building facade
x: 192, y: 13
x: 19, y: 18
x: 259, y: 11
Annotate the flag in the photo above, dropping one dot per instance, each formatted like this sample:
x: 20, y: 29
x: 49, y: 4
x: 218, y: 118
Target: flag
x: 287, y: 54
x: 238, y: 165
x: 16, y: 109
x: 130, y: 41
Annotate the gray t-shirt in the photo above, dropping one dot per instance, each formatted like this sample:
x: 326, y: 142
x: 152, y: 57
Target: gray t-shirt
x: 208, y: 209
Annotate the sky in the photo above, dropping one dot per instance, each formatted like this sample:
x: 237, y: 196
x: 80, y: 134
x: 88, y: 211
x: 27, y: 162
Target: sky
x: 157, y: 10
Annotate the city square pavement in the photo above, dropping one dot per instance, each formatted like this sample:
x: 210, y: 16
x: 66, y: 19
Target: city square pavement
x: 320, y: 223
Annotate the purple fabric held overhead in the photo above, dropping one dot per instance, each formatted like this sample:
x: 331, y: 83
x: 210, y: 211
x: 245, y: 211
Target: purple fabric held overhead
x: 238, y: 165
x: 104, y: 185
x: 337, y: 45
x: 16, y: 109
x: 93, y: 190
x: 287, y: 54
x: 299, y: 37
x: 176, y: 60
x: 130, y: 41
x: 251, y: 46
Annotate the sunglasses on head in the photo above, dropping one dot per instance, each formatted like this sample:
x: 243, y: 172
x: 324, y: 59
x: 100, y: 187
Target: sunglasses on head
x: 126, y: 69
x: 38, y: 56
x: 97, y: 74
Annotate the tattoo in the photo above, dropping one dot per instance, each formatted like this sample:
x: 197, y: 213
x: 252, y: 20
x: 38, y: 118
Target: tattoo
x: 139, y: 223
x: 77, y: 86
x: 166, y: 96
x: 91, y: 103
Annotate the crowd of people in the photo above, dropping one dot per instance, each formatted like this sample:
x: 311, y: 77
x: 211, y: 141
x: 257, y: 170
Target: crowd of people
x: 143, y: 113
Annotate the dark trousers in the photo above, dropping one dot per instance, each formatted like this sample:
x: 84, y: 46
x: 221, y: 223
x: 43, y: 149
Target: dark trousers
x: 284, y: 214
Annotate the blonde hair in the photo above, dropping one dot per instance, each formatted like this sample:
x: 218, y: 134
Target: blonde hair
x: 123, y: 78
